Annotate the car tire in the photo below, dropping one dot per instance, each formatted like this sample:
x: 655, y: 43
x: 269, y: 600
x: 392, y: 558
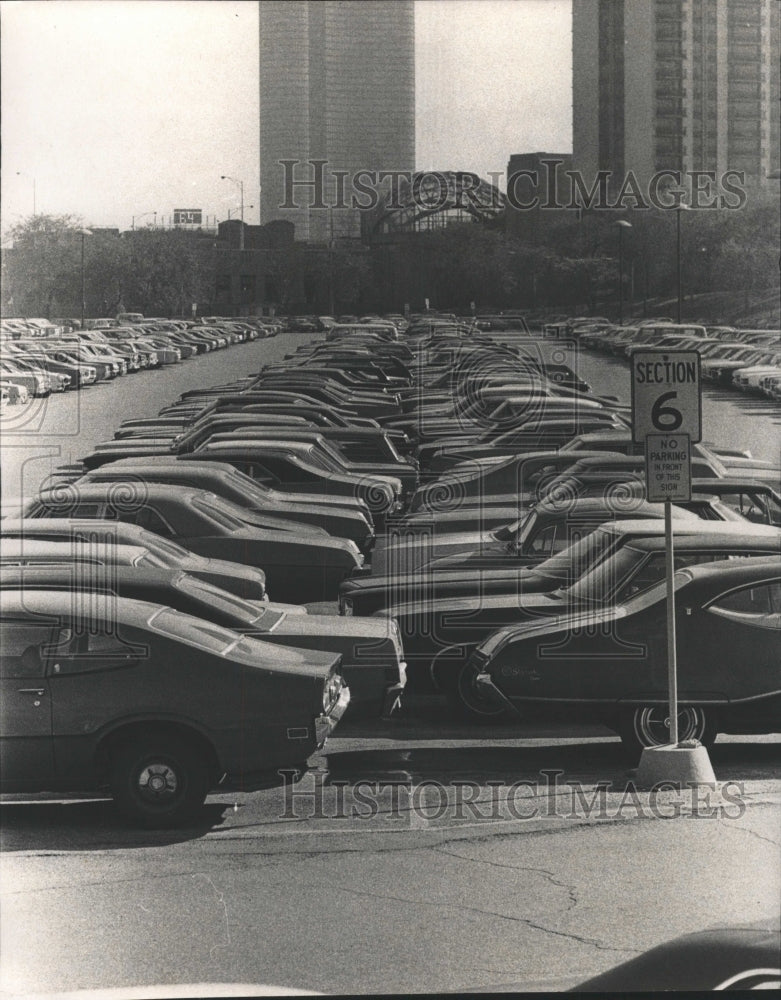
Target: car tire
x: 158, y: 780
x: 460, y: 690
x: 646, y: 726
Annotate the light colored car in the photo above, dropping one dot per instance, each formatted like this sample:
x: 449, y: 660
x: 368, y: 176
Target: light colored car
x: 17, y: 394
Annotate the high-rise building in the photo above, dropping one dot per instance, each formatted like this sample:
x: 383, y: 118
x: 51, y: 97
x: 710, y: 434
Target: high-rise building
x: 676, y: 85
x: 337, y: 84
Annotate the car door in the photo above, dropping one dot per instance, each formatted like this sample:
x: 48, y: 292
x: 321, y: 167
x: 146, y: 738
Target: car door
x: 93, y: 682
x: 25, y: 709
x: 732, y: 646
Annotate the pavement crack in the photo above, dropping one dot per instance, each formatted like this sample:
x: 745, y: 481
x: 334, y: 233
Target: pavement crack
x: 753, y: 833
x: 464, y: 907
x: 220, y: 899
x: 548, y: 875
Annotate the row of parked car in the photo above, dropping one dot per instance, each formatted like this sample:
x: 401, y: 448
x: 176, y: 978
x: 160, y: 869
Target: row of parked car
x: 749, y: 360
x: 474, y: 512
x: 38, y: 357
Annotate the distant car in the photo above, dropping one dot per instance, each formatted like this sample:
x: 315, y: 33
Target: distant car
x: 17, y: 394
x: 301, y: 565
x: 372, y: 654
x: 610, y: 663
x: 174, y: 703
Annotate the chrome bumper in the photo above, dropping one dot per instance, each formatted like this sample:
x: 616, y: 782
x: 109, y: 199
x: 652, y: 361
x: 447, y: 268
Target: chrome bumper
x: 325, y: 724
x: 392, y: 699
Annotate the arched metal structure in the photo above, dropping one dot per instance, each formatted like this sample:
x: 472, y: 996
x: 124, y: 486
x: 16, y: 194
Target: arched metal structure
x: 433, y: 199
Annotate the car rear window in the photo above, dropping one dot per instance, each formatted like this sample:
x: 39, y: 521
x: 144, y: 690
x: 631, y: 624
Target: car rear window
x: 193, y: 631
x: 219, y: 510
x: 245, y: 611
x: 164, y: 546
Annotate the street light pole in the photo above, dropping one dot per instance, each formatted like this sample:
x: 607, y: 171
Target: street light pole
x: 143, y: 215
x: 84, y: 233
x: 225, y: 177
x: 622, y: 225
x: 681, y: 207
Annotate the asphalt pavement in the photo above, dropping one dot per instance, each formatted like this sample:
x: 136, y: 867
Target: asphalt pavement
x: 438, y: 860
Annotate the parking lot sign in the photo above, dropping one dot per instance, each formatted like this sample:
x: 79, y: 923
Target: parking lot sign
x: 666, y: 396
x: 668, y: 467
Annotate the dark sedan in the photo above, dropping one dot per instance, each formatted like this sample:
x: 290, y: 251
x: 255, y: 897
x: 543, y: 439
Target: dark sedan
x: 100, y: 541
x: 363, y: 595
x: 438, y: 633
x: 300, y: 566
x: 372, y: 655
x: 351, y: 521
x: 174, y: 703
x: 611, y: 663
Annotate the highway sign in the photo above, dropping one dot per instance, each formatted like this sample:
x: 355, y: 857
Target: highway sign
x: 668, y: 467
x: 666, y: 394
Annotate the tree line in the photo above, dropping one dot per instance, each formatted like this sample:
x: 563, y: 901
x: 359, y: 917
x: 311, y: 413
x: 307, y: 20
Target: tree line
x: 570, y: 262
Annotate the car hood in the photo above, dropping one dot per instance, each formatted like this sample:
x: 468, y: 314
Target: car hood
x: 337, y: 634
x: 301, y: 547
x: 540, y: 605
x: 567, y: 622
x: 488, y: 554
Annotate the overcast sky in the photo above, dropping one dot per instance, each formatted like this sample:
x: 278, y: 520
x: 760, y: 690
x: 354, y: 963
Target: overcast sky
x: 117, y: 108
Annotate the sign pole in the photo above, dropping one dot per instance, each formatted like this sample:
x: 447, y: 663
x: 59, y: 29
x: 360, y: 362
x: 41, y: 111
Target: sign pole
x: 667, y: 416
x: 672, y: 666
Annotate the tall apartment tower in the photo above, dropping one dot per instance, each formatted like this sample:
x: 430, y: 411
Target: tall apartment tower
x: 337, y: 84
x: 676, y: 84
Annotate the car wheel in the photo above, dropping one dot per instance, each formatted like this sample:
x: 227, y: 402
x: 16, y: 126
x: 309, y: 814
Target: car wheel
x: 463, y: 695
x: 649, y: 726
x: 158, y: 780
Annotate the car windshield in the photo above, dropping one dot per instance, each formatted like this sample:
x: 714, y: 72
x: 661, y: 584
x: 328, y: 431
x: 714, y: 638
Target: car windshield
x: 569, y: 565
x: 149, y: 560
x: 598, y: 585
x: 244, y: 612
x: 164, y: 547
x: 193, y: 631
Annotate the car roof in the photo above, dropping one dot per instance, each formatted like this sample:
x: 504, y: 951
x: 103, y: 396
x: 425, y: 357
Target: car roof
x: 701, y: 528
x: 14, y: 546
x: 63, y: 576
x: 65, y: 526
x: 108, y: 492
x: 599, y: 505
x: 734, y: 572
x: 60, y: 603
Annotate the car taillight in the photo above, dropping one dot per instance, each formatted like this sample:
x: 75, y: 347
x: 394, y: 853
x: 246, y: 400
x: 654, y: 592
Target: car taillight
x: 331, y: 691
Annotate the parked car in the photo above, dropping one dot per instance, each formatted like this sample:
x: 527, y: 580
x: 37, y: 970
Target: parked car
x: 104, y: 540
x: 300, y: 565
x: 611, y: 663
x: 174, y: 703
x: 363, y: 595
x: 353, y: 522
x: 546, y: 528
x: 372, y: 654
x: 438, y: 632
